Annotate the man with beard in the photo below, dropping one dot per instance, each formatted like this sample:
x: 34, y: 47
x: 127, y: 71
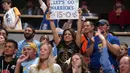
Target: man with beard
x: 8, y: 61
x: 29, y: 34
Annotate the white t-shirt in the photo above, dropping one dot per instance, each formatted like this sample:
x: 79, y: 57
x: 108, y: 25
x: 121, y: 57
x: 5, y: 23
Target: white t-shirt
x: 10, y: 17
x: 43, y: 7
x: 56, y: 69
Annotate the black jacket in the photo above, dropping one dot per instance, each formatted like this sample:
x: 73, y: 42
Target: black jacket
x: 8, y: 67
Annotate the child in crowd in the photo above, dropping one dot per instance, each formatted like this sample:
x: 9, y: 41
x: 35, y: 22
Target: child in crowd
x: 11, y: 19
x: 123, y: 50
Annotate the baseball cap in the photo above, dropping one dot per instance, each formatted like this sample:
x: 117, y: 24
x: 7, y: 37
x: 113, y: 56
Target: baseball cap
x: 102, y: 22
x: 32, y: 45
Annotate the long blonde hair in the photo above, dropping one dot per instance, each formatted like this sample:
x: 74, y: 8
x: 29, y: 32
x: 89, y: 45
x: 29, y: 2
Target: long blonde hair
x: 50, y: 60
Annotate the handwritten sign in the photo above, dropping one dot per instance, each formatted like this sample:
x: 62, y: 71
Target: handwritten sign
x: 64, y: 9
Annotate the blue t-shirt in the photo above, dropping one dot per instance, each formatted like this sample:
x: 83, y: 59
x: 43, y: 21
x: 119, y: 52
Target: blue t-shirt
x: 45, y: 25
x: 95, y: 57
x: 105, y: 62
x: 129, y: 51
x: 26, y: 64
x: 54, y: 51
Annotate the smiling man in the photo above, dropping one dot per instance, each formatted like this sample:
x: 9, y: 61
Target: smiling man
x: 29, y: 34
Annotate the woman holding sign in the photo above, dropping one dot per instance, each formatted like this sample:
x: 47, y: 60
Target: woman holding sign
x: 68, y: 45
x: 45, y: 25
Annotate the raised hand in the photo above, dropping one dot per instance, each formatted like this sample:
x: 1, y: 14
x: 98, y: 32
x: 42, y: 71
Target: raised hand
x: 80, y: 12
x: 90, y: 35
x: 48, y: 15
x: 102, y: 38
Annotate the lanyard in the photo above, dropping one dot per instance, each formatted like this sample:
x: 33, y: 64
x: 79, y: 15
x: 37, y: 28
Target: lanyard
x: 3, y: 66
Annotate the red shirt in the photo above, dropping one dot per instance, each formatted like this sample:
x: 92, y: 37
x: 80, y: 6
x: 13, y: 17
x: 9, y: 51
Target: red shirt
x: 121, y: 20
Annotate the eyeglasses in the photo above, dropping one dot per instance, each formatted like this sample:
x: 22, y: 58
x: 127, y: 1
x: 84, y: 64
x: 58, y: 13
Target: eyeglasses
x: 45, y: 38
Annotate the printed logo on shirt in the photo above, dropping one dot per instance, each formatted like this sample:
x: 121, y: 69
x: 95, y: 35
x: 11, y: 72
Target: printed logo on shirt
x: 8, y: 19
x: 13, y: 67
x: 64, y: 55
x: 100, y: 46
x: 5, y: 71
x: 26, y: 68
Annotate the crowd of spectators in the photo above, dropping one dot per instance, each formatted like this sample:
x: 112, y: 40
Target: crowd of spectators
x: 118, y: 17
x: 89, y: 49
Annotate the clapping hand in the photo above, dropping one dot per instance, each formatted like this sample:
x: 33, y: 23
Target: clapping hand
x: 98, y: 33
x: 102, y: 38
x: 90, y: 35
x: 80, y: 12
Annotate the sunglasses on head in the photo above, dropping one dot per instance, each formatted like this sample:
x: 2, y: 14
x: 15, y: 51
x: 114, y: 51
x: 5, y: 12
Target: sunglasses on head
x: 45, y: 39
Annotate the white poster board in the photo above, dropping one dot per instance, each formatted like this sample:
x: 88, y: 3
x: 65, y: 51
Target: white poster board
x: 64, y: 9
